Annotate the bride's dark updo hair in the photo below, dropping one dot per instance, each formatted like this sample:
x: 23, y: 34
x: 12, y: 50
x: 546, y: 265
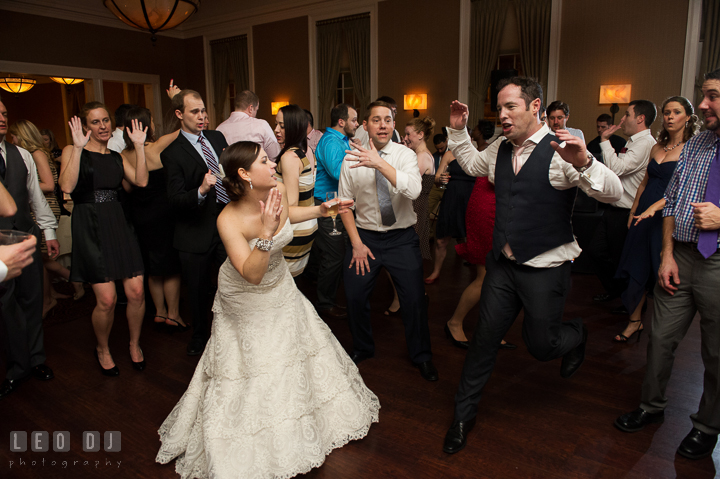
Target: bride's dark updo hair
x: 238, y: 155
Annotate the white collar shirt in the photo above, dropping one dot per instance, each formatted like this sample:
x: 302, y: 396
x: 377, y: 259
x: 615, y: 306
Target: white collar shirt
x: 630, y: 164
x: 359, y: 183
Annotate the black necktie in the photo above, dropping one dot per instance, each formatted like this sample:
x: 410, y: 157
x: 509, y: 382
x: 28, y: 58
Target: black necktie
x: 2, y: 165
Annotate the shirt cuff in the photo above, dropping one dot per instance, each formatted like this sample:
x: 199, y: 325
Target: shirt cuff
x: 201, y: 197
x: 457, y: 136
x: 50, y: 235
x: 3, y: 271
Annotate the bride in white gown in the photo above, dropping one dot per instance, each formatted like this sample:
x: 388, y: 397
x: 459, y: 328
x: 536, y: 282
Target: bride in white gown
x: 274, y: 392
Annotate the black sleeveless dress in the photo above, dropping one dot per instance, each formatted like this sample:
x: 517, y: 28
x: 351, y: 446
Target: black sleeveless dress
x: 451, y: 217
x: 640, y: 258
x: 154, y: 223
x: 104, y: 244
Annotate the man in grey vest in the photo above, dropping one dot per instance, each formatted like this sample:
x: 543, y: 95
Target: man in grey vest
x: 536, y: 181
x: 22, y: 297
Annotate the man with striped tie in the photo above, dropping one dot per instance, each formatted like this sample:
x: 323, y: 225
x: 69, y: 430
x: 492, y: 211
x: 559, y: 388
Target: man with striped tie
x: 197, y: 195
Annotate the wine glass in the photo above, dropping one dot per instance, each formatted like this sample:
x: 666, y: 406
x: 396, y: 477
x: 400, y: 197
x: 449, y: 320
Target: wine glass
x: 8, y: 237
x: 444, y: 185
x: 333, y: 196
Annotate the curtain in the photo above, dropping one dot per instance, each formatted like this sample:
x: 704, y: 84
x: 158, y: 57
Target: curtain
x: 533, y: 18
x: 357, y: 39
x: 329, y: 50
x: 229, y: 64
x: 486, y: 26
x: 710, y: 57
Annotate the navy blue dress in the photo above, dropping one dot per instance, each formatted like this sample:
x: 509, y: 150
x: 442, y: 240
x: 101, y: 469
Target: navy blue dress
x: 640, y: 258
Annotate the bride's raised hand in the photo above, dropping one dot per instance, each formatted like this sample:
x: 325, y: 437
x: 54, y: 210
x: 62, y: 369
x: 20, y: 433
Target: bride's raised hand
x: 80, y: 139
x: 136, y: 134
x: 270, y: 212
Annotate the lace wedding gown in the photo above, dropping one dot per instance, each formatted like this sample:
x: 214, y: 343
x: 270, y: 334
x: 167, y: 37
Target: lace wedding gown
x: 274, y: 392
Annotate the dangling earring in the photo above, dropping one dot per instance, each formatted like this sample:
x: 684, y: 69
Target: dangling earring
x: 250, y: 181
x: 686, y: 124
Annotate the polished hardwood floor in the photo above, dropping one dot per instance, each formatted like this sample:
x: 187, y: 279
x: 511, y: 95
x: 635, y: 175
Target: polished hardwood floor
x: 531, y: 424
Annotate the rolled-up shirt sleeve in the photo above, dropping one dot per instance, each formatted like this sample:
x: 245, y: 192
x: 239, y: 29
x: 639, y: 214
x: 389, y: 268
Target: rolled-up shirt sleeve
x: 408, y: 181
x: 39, y: 205
x: 472, y: 161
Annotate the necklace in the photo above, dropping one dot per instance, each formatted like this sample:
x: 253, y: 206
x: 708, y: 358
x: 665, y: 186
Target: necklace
x: 672, y: 147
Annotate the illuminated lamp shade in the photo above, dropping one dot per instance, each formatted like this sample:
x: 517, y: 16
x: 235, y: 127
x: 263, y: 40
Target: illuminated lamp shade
x: 16, y: 85
x: 67, y: 81
x: 610, y: 94
x: 415, y: 102
x: 276, y: 105
x: 153, y: 15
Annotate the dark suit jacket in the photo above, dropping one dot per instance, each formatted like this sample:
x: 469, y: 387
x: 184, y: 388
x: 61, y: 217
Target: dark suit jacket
x: 195, y: 225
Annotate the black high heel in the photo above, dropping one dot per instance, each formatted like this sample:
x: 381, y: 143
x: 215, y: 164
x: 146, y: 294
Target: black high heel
x: 624, y: 339
x: 140, y: 365
x: 112, y: 372
x: 455, y: 342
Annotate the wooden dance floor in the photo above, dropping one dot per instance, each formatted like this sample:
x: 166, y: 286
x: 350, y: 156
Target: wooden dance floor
x: 531, y: 423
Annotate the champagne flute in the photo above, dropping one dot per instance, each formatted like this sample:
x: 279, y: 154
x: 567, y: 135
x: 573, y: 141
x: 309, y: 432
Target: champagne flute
x: 444, y: 185
x: 333, y: 196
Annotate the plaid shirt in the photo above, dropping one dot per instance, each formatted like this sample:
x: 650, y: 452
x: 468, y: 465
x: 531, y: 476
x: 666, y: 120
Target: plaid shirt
x: 688, y: 184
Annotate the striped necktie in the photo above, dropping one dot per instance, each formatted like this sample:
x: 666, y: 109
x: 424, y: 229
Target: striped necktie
x: 222, y: 196
x: 384, y: 201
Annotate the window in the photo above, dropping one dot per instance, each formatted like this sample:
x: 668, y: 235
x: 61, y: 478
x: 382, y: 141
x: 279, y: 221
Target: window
x: 345, y: 90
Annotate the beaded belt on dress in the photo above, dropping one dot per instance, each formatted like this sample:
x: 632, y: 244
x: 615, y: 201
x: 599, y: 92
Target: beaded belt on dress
x: 105, y: 196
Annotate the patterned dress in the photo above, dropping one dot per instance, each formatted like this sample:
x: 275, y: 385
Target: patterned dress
x: 297, y: 253
x: 274, y: 392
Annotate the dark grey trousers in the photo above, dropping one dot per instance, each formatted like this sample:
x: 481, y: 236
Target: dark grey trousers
x: 698, y: 291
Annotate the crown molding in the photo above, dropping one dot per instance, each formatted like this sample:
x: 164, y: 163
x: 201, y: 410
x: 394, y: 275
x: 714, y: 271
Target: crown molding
x: 96, y: 14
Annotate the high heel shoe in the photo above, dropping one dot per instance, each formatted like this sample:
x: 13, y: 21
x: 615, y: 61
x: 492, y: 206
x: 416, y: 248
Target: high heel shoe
x: 162, y: 319
x: 176, y: 326
x: 140, y: 365
x: 621, y: 338
x: 459, y: 344
x: 397, y: 312
x: 112, y: 372
x: 432, y: 280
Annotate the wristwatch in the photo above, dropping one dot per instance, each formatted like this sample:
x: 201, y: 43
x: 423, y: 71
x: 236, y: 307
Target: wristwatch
x: 582, y: 169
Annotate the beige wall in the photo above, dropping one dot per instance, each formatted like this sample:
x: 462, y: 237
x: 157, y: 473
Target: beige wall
x: 418, y: 53
x: 282, y: 71
x: 618, y: 42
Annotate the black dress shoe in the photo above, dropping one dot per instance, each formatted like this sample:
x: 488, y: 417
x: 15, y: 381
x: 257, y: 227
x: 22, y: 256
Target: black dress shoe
x: 428, y: 371
x: 697, y: 444
x: 42, y: 372
x: 638, y: 419
x: 604, y: 297
x: 9, y: 385
x: 507, y: 346
x: 112, y: 372
x: 333, y: 313
x: 571, y: 361
x: 357, y: 357
x: 196, y: 346
x: 456, y: 436
x: 455, y: 342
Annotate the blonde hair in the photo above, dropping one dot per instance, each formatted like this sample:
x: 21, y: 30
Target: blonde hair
x: 29, y: 137
x: 426, y: 126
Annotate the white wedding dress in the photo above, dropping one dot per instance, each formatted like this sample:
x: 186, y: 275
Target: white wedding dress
x: 274, y: 392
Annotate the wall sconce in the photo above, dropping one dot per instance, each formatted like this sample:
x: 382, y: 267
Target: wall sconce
x: 415, y: 102
x: 276, y: 105
x: 67, y: 81
x: 17, y: 85
x: 614, y: 94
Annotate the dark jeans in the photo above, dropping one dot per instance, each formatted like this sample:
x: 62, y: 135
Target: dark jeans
x: 399, y: 252
x: 329, y: 252
x: 508, y: 288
